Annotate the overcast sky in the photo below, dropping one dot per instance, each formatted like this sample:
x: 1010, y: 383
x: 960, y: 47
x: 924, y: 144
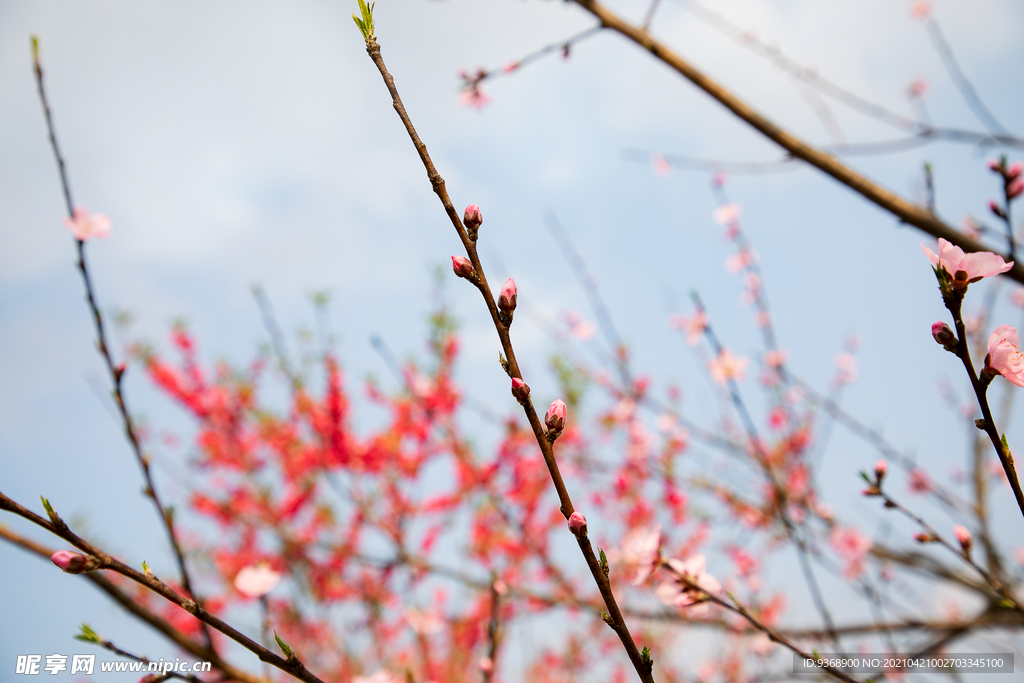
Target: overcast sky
x: 240, y: 142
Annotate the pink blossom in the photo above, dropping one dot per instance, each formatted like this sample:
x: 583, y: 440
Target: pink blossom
x: 85, y: 226
x: 642, y: 549
x: 917, y: 88
x: 507, y: 296
x: 919, y: 481
x: 423, y: 623
x: 964, y: 536
x: 555, y: 417
x: 922, y: 9
x: 776, y: 358
x: 578, y: 327
x: 846, y: 369
x: 852, y: 546
x: 1004, y: 356
x: 1015, y: 188
x: 741, y: 260
x: 70, y: 562
x: 255, y: 582
x: 577, y: 523
x: 690, y: 587
x: 380, y: 676
x: 661, y: 165
x: 726, y: 214
x: 966, y: 268
x: 474, y: 96
x: 462, y: 266
x: 693, y: 326
x: 727, y: 366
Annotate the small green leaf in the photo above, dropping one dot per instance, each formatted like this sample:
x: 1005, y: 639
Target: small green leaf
x: 366, y: 23
x: 280, y: 643
x: 49, y: 509
x: 87, y: 635
x: 645, y: 656
x: 865, y: 477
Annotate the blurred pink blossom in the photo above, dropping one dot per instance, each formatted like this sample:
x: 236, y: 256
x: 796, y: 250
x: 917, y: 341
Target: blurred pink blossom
x: 641, y: 548
x: 661, y: 165
x: 676, y: 592
x: 727, y: 366
x: 852, y: 546
x: 255, y: 582
x: 85, y: 226
x: 726, y: 214
x: 922, y: 9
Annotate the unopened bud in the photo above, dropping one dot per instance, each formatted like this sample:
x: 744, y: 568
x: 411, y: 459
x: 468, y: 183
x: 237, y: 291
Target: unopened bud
x: 924, y: 538
x: 577, y: 523
x: 880, y: 468
x: 486, y: 665
x: 555, y: 417
x: 520, y: 389
x: 942, y: 334
x: 964, y: 536
x: 472, y: 220
x: 462, y: 266
x: 1016, y: 188
x: 70, y: 562
x: 996, y: 209
x: 995, y: 165
x: 507, y: 297
x: 1015, y: 170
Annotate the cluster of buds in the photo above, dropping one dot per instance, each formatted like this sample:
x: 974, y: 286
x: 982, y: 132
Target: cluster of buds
x: 74, y: 563
x: 1013, y: 182
x: 507, y: 302
x: 944, y: 336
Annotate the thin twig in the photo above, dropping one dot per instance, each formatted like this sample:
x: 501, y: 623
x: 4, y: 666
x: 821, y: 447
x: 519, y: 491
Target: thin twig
x: 115, y: 371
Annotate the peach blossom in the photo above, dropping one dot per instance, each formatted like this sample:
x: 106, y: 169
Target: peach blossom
x: 255, y: 582
x: 974, y: 266
x: 1004, y: 356
x: 84, y: 225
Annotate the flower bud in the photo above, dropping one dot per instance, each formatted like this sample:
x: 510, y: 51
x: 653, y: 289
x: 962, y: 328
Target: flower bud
x: 472, y: 220
x: 1016, y: 188
x: 996, y: 209
x: 995, y: 165
x: 942, y: 334
x: 577, y: 523
x: 555, y: 417
x: 880, y: 467
x: 924, y: 538
x: 462, y: 266
x: 520, y: 389
x: 70, y: 562
x: 507, y: 297
x: 964, y: 536
x: 486, y: 665
x: 1015, y: 170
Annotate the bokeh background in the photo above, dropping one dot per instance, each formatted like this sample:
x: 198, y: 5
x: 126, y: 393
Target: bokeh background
x: 235, y: 143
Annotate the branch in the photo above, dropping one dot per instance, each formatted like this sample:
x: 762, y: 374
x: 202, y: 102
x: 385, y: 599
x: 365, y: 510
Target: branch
x: 904, y: 210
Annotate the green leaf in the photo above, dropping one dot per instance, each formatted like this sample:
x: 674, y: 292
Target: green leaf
x: 49, y: 509
x: 280, y: 643
x: 87, y: 635
x: 366, y: 23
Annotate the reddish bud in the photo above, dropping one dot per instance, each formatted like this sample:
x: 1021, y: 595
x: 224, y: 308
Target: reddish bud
x: 942, y: 334
x: 1016, y: 188
x: 507, y: 297
x: 520, y: 389
x: 462, y: 266
x: 924, y: 538
x: 486, y: 665
x: 964, y: 536
x: 577, y: 523
x: 70, y: 562
x: 996, y: 209
x: 1015, y: 170
x: 555, y: 417
x: 472, y: 219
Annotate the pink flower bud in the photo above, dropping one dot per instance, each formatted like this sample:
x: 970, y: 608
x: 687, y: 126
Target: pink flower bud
x: 577, y: 523
x: 507, y: 297
x: 520, y: 389
x: 69, y: 562
x: 472, y: 218
x: 964, y: 536
x: 995, y: 165
x: 555, y: 417
x: 880, y: 467
x: 1016, y: 188
x: 1015, y: 170
x: 942, y: 334
x: 462, y: 266
x: 486, y: 665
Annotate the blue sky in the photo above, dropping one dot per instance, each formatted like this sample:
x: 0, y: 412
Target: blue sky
x: 234, y: 143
